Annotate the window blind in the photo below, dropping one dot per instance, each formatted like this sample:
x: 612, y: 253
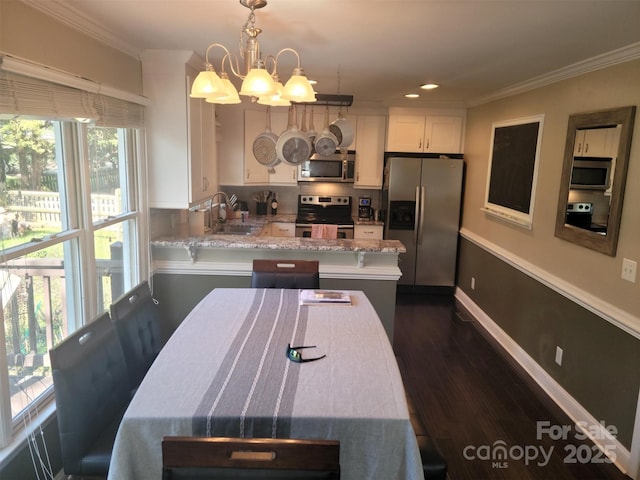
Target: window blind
x: 114, y: 112
x: 27, y: 96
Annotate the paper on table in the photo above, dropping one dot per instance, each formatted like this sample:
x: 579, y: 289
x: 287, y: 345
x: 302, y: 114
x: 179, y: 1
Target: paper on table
x: 319, y: 297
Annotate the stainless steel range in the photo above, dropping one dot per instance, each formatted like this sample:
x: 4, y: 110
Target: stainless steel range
x: 579, y: 214
x: 335, y: 210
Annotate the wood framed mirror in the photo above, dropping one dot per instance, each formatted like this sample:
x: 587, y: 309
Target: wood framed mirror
x: 594, y: 176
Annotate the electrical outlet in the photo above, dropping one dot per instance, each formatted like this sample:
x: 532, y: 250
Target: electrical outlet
x: 473, y: 283
x: 628, y: 270
x: 559, y: 353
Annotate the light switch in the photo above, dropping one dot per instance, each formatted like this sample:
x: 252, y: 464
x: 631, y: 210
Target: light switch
x: 559, y: 353
x: 629, y: 270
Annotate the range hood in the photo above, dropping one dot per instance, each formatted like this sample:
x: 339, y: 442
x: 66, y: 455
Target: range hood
x: 331, y: 100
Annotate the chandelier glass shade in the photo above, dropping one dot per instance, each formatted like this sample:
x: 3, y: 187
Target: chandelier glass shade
x: 208, y: 85
x: 231, y: 95
x: 257, y: 81
x: 298, y: 88
x: 276, y: 100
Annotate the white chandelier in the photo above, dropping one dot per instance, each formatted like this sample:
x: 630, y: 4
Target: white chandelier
x: 257, y: 82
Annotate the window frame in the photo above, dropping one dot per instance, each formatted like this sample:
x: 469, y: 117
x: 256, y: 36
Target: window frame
x: 77, y: 236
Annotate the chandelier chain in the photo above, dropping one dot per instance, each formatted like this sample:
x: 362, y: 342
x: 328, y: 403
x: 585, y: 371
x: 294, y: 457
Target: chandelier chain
x: 251, y: 19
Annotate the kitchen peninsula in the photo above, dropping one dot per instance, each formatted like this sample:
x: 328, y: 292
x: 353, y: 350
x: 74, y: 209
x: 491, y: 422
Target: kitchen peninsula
x: 188, y: 267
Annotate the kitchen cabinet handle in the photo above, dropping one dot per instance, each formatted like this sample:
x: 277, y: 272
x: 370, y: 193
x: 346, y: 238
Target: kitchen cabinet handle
x: 422, y: 205
x: 416, y: 216
x: 586, y: 148
x: 420, y: 144
x: 427, y: 145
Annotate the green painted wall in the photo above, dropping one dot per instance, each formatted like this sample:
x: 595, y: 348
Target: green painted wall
x: 178, y: 294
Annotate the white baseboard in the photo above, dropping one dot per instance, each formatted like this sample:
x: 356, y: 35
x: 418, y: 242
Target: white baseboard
x: 578, y: 414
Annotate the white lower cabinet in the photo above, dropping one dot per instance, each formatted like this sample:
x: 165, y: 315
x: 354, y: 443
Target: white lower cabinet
x: 282, y: 229
x: 367, y: 232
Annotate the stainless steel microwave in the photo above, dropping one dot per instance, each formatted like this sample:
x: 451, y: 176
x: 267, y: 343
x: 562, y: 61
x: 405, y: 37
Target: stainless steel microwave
x: 330, y: 168
x: 591, y: 174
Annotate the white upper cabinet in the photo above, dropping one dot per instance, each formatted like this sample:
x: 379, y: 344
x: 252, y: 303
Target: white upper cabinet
x: 181, y: 131
x: 370, y: 151
x: 425, y: 133
x: 320, y: 122
x: 255, y: 124
x: 597, y: 142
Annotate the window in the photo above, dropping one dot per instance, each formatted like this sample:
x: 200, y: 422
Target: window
x: 70, y: 240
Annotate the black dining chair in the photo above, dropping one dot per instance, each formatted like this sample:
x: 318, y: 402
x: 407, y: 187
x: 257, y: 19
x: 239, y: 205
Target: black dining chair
x: 285, y: 274
x: 91, y: 386
x: 219, y: 458
x: 137, y: 322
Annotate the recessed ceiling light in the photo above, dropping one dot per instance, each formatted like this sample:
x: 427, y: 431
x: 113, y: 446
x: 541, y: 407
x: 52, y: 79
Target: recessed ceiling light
x: 412, y: 95
x: 313, y: 82
x: 428, y: 86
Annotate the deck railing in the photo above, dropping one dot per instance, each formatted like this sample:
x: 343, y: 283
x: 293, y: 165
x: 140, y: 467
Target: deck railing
x: 35, y: 318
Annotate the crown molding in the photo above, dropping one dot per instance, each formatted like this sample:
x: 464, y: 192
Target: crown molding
x: 61, y: 11
x: 66, y: 14
x: 621, y: 55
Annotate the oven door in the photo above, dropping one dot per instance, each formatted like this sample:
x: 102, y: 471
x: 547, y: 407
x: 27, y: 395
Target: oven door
x: 344, y: 232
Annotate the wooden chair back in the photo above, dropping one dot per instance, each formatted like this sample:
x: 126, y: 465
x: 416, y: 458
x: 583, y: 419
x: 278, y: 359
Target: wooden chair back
x: 217, y: 457
x: 285, y: 274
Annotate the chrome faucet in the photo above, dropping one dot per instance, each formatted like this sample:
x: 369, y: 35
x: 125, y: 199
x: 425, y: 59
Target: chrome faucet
x: 211, y: 205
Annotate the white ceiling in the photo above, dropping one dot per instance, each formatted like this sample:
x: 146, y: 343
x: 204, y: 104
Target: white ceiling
x: 474, y: 49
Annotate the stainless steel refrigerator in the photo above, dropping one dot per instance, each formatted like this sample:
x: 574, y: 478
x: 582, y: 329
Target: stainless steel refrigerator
x: 423, y: 212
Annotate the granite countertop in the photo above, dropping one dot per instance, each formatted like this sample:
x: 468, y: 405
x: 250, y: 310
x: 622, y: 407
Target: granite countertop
x: 255, y: 240
x: 282, y: 243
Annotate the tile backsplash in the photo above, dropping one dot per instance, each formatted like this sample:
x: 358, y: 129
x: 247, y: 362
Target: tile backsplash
x: 167, y: 222
x: 288, y: 196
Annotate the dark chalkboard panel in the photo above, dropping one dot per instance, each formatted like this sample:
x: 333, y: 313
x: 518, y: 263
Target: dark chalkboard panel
x: 514, y: 154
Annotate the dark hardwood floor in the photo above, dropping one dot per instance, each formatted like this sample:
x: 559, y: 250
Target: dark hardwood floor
x: 473, y: 400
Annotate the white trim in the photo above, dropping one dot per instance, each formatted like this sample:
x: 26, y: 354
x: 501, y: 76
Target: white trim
x: 621, y: 55
x: 506, y: 213
x: 46, y: 413
x: 559, y: 395
x: 243, y: 269
x: 612, y: 314
x: 41, y: 72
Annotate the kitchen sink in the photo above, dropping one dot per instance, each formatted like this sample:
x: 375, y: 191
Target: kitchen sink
x: 231, y: 229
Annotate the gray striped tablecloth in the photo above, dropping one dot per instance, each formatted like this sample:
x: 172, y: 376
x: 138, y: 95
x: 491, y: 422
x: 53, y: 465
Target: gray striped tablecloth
x: 224, y: 372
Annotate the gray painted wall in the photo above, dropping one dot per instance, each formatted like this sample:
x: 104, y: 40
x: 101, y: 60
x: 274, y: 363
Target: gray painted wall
x: 600, y: 362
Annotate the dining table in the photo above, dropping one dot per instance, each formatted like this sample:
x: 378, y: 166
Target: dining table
x: 225, y: 371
